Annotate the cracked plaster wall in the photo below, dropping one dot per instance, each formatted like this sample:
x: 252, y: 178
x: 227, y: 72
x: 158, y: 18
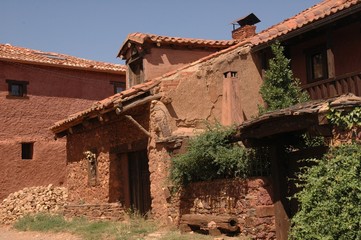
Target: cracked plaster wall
x: 195, y: 94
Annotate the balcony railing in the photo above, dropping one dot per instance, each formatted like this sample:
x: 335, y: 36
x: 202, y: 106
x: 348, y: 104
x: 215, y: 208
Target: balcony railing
x: 348, y: 83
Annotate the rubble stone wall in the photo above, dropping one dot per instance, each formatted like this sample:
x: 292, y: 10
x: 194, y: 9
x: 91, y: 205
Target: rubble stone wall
x: 109, y: 141
x: 110, y: 211
x: 32, y: 200
x: 250, y: 201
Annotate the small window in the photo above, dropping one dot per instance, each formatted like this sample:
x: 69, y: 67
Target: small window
x: 118, y: 86
x: 27, y: 150
x: 317, y: 64
x: 17, y: 88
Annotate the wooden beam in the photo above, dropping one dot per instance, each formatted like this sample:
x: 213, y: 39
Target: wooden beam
x: 130, y: 118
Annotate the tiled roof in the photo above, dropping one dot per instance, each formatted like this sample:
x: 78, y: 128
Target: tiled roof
x: 26, y: 55
x: 310, y: 15
x: 142, y: 38
x: 105, y: 105
x: 317, y: 12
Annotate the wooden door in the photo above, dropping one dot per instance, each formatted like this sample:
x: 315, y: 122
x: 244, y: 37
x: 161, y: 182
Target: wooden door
x: 139, y: 181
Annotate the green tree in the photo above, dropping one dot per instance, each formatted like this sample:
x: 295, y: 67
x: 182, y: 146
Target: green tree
x: 330, y: 201
x: 280, y: 89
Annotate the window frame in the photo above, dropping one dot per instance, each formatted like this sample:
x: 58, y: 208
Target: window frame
x: 117, y: 84
x: 310, y: 54
x: 22, y: 88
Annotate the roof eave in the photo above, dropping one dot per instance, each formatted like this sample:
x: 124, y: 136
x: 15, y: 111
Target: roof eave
x: 311, y: 26
x: 122, y: 72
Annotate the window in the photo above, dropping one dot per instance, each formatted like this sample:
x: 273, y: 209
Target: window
x: 27, y: 150
x: 317, y: 64
x: 17, y: 88
x: 136, y: 74
x: 118, y: 86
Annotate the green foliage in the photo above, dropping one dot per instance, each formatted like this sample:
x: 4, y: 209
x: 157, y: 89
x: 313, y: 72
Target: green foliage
x: 134, y: 229
x: 344, y: 119
x: 211, y: 156
x: 41, y: 222
x: 280, y: 89
x: 330, y: 201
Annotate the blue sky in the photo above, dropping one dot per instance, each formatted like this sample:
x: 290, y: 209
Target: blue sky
x: 95, y: 29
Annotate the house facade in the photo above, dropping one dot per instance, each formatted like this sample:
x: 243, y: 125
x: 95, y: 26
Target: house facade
x: 36, y: 89
x: 164, y: 111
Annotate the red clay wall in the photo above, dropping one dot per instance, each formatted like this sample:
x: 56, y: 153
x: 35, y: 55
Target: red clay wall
x: 163, y: 60
x: 52, y: 95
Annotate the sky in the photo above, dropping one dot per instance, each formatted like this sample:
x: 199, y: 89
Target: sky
x: 95, y: 29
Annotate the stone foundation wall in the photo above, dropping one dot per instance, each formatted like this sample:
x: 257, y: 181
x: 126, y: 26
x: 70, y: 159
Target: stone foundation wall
x: 110, y: 211
x: 250, y: 201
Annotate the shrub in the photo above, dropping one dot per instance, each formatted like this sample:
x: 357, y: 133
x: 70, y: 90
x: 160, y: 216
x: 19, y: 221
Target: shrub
x: 280, y: 89
x: 209, y: 156
x: 330, y: 201
x: 345, y: 119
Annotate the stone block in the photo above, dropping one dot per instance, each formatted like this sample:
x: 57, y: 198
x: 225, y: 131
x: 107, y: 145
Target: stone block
x: 265, y: 211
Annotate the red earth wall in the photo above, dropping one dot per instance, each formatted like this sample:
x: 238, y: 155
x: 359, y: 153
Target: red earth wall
x: 52, y: 94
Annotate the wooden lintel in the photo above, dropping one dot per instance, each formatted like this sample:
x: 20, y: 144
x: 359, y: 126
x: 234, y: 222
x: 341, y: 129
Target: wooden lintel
x: 130, y: 118
x: 284, y: 125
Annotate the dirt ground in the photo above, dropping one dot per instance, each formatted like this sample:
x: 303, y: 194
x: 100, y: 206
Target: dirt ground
x: 8, y: 233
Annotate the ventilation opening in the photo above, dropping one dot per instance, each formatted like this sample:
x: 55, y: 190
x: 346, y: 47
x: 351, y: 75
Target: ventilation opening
x: 230, y: 74
x: 27, y: 150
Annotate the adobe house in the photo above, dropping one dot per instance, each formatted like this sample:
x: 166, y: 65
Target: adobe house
x: 132, y: 135
x: 36, y: 89
x: 149, y: 56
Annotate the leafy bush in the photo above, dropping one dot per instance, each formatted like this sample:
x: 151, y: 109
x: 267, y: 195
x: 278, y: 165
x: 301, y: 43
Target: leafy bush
x: 330, y: 201
x: 280, y: 89
x: 344, y: 119
x: 209, y: 156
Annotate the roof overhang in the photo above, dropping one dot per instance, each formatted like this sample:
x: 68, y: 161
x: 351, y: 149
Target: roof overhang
x: 309, y: 116
x: 119, y: 103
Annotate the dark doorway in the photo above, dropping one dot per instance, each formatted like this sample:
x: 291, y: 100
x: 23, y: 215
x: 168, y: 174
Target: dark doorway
x: 139, y: 181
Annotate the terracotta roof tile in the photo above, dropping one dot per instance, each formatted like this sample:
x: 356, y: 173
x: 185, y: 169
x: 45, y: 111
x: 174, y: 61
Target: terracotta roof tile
x: 141, y: 38
x: 310, y: 15
x: 26, y: 55
x: 327, y: 7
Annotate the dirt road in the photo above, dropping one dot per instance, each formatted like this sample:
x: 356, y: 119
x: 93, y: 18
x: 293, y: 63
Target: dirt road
x: 8, y: 233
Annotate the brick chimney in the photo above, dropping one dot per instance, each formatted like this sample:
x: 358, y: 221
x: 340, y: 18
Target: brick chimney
x: 244, y: 27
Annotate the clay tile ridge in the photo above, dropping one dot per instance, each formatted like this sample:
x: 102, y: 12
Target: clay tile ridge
x: 108, y: 103
x: 146, y: 37
x: 142, y: 38
x: 26, y: 55
x: 310, y: 15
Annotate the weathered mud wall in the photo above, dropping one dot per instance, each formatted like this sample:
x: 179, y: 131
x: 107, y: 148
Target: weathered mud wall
x: 110, y: 141
x: 195, y: 94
